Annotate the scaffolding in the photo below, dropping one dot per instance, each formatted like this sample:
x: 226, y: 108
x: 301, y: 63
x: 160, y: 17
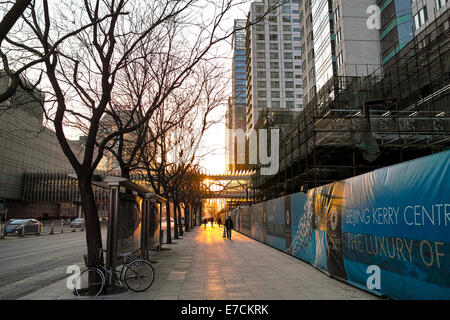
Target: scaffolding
x: 358, y: 124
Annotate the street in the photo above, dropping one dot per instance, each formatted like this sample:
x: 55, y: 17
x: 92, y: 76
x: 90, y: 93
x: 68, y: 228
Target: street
x: 27, y: 264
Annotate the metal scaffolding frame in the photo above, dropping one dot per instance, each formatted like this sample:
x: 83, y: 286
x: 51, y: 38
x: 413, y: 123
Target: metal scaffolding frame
x: 358, y: 124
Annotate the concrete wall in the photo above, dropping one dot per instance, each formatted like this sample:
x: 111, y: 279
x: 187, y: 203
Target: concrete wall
x: 432, y: 10
x: 360, y: 45
x: 25, y: 145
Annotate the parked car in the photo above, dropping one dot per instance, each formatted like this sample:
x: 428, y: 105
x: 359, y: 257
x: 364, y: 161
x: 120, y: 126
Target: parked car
x: 77, y: 223
x: 14, y: 226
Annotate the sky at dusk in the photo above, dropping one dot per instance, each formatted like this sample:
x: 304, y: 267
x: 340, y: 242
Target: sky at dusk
x: 212, y: 148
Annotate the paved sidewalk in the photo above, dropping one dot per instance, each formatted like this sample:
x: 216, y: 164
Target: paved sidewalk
x: 204, y: 266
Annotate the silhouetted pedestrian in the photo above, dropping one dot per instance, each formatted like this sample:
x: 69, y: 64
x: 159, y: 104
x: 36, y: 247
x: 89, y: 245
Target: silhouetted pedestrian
x: 204, y: 222
x: 212, y: 222
x: 229, y: 226
x: 219, y: 221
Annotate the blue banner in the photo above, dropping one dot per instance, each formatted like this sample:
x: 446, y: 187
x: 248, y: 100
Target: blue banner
x: 387, y: 231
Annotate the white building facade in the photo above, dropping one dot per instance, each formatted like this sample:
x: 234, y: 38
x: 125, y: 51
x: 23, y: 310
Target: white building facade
x: 273, y: 49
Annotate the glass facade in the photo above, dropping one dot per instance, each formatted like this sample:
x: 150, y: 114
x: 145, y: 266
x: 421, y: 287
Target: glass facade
x: 396, y: 26
x: 239, y: 65
x: 323, y: 31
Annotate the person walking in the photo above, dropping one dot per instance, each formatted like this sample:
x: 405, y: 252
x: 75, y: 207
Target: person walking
x: 229, y: 226
x: 204, y: 222
x: 212, y: 222
x: 219, y: 221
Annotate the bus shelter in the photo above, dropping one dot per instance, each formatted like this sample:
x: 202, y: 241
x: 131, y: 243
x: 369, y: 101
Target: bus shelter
x: 134, y: 220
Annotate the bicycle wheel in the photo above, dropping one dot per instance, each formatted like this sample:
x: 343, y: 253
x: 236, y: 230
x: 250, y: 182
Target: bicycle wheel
x: 89, y: 282
x: 139, y: 275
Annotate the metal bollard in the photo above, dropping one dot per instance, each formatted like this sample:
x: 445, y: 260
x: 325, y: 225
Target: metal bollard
x: 22, y: 234
x: 2, y: 231
x: 52, y: 231
x: 62, y: 227
x: 82, y: 226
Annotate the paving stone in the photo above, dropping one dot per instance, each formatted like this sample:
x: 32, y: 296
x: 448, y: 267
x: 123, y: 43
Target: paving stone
x: 202, y: 266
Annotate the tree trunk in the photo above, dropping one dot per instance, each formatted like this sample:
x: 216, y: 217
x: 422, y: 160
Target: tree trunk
x: 175, y: 219
x: 12, y: 16
x: 125, y: 172
x: 180, y: 225
x: 93, y: 232
x: 168, y: 228
x: 187, y: 218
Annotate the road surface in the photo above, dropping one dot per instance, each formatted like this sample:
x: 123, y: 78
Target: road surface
x: 27, y: 264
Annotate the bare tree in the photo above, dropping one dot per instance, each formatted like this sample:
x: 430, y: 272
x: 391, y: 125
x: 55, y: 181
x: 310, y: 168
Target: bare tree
x: 80, y: 50
x: 177, y: 152
x: 12, y: 16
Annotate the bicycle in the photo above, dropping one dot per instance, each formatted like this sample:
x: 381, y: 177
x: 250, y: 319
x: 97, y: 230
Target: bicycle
x: 138, y: 275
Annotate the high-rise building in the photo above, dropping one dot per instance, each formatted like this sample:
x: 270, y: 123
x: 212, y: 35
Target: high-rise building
x: 273, y: 48
x: 235, y: 116
x: 426, y: 12
x: 396, y: 26
x: 344, y: 44
x: 308, y: 60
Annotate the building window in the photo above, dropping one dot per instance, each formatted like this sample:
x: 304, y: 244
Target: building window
x: 421, y: 18
x: 275, y: 104
x: 338, y: 36
x: 289, y: 84
x: 440, y: 4
x: 275, y: 94
x: 274, y: 84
